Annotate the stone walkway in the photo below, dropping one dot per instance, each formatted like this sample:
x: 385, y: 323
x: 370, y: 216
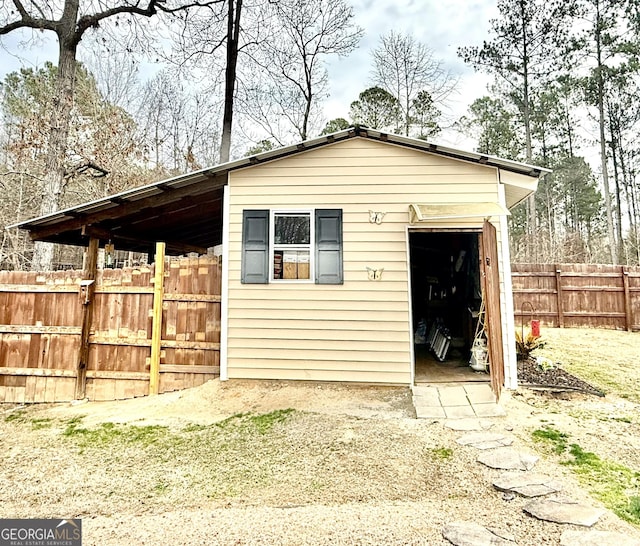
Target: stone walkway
x: 515, y: 476
x: 455, y: 401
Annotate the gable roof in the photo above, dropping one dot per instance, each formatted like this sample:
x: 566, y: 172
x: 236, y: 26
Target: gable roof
x: 186, y: 211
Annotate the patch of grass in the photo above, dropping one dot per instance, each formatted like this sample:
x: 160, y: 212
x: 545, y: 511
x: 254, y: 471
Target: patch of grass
x: 442, y: 452
x: 238, y: 427
x: 604, y: 358
x: 610, y: 482
x: 110, y: 433
x: 262, y: 422
x: 617, y: 486
x: 557, y: 439
x: 622, y: 419
x: 632, y: 510
x: 266, y: 421
x: 231, y: 421
x: 582, y: 458
x: 18, y: 416
x: 194, y: 428
x: 37, y: 424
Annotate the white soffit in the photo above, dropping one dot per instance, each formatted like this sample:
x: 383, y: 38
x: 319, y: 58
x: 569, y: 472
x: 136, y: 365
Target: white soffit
x: 517, y: 186
x: 446, y: 211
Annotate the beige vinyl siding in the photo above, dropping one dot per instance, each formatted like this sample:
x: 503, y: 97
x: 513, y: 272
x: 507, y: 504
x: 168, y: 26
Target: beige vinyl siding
x: 358, y: 331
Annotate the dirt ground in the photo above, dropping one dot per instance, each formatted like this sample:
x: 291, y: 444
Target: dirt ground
x: 253, y: 463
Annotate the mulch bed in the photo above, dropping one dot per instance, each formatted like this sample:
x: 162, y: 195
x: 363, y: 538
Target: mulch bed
x: 530, y: 374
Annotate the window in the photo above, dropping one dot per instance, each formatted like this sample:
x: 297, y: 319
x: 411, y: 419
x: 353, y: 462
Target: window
x: 292, y: 245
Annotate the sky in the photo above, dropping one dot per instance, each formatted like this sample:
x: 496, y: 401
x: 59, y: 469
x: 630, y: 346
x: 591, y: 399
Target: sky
x: 442, y: 25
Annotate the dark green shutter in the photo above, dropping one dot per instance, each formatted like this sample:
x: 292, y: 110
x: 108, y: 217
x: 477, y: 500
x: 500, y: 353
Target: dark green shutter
x: 329, y: 246
x: 255, y: 247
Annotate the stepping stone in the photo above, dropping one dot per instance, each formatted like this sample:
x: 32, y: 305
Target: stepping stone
x: 597, y: 538
x: 480, y: 394
x: 485, y: 440
x: 559, y: 511
x: 466, y: 533
x: 453, y: 396
x: 506, y: 458
x: 488, y: 410
x: 427, y: 396
x: 466, y: 425
x: 527, y: 484
x: 429, y: 412
x: 459, y: 412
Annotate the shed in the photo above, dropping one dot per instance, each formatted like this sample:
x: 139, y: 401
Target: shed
x: 345, y: 258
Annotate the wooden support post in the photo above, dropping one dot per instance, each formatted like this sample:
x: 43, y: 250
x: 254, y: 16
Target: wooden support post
x: 628, y: 311
x: 560, y: 303
x: 156, y: 325
x: 87, y: 289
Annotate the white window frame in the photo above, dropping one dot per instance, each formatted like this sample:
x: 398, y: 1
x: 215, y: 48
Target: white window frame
x: 311, y: 246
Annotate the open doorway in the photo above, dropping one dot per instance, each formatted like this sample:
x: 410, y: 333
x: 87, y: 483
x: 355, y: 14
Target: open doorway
x: 446, y: 303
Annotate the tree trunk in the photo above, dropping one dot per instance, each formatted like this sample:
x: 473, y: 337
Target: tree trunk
x: 233, y: 35
x: 616, y: 154
x: 613, y: 251
x: 54, y: 179
x: 308, y: 96
x: 526, y: 120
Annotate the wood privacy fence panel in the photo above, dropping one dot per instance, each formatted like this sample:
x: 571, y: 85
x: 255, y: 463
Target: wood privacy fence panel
x: 40, y: 327
x: 577, y: 295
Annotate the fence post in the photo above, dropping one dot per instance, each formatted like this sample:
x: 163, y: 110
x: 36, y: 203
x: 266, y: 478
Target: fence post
x: 156, y: 324
x: 628, y: 312
x: 87, y: 290
x: 560, y: 304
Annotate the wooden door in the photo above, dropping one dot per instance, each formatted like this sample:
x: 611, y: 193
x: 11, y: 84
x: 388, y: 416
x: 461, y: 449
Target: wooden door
x: 491, y: 293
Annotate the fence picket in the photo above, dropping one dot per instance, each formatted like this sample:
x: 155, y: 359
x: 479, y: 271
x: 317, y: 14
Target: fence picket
x: 582, y: 295
x: 40, y: 332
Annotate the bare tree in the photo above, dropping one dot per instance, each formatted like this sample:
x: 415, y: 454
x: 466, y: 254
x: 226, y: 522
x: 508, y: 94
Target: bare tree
x: 210, y: 44
x: 407, y: 69
x: 116, y: 73
x: 178, y: 125
x: 303, y: 34
x: 69, y: 21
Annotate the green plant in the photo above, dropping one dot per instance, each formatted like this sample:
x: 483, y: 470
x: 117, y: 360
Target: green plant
x: 555, y: 437
x: 616, y: 485
x: 18, y: 416
x: 37, y: 424
x: 442, y: 452
x: 632, y: 511
x: 266, y: 421
x: 526, y: 344
x: 109, y: 433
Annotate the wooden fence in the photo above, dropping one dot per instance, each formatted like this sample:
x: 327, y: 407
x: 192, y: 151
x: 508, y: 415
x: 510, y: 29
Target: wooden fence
x: 41, y: 317
x: 577, y: 295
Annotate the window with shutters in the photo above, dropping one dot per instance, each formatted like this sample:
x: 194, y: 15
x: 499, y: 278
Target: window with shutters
x: 286, y: 245
x: 291, y: 245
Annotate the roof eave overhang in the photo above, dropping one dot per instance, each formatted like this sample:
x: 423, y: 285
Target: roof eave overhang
x: 77, y: 217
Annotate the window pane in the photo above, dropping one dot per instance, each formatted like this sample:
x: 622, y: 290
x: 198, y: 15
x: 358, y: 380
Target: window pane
x: 291, y: 264
x: 292, y: 230
x: 303, y: 264
x: 277, y: 264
